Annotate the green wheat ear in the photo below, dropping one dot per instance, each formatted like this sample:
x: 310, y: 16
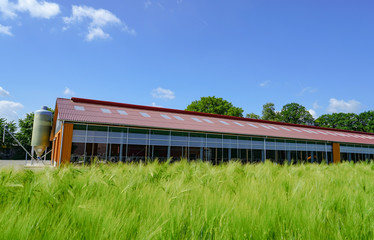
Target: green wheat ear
x: 189, y: 200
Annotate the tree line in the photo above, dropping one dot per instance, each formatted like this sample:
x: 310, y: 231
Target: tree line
x: 290, y: 113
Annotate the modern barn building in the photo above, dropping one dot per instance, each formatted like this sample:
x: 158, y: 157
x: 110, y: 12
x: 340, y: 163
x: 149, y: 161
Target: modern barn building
x: 84, y: 130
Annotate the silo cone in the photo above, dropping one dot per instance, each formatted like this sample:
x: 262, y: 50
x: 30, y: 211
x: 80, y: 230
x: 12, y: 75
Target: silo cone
x: 41, y: 130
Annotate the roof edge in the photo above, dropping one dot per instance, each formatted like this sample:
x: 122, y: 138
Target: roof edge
x: 170, y: 110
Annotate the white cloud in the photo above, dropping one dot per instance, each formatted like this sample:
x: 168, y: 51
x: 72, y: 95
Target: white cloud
x: 264, y: 84
x: 68, y: 91
x: 352, y: 106
x: 314, y: 114
x: 4, y: 93
x: 9, y: 109
x: 38, y: 9
x: 7, y: 9
x: 147, y: 4
x: 163, y: 93
x: 96, y: 33
x: 5, y: 30
x: 99, y: 18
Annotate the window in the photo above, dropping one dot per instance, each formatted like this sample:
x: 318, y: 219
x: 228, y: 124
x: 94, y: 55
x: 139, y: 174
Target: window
x: 196, y: 119
x: 79, y: 108
x: 144, y: 114
x: 178, y: 118
x: 264, y: 126
x: 122, y: 112
x: 239, y: 124
x: 223, y: 122
x: 252, y: 125
x: 105, y: 110
x: 165, y: 116
x: 207, y: 120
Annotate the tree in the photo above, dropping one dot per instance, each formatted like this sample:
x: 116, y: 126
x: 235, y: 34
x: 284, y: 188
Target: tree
x: 346, y: 121
x: 216, y: 106
x: 367, y: 121
x: 9, y: 141
x: 269, y: 113
x: 253, y: 116
x: 25, y: 129
x: 297, y: 114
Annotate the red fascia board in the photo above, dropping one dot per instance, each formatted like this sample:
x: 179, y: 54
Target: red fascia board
x: 126, y: 105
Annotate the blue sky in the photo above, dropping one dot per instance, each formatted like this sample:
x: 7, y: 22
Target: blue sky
x: 171, y: 52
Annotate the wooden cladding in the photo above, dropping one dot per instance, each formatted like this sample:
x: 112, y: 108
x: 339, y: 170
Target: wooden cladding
x: 65, y: 152
x: 336, y: 152
x: 67, y: 142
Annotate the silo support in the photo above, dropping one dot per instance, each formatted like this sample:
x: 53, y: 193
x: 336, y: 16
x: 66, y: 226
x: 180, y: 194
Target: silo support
x: 336, y: 152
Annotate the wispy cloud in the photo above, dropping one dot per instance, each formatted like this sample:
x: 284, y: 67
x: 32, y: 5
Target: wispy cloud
x: 4, y: 93
x: 38, y: 9
x: 351, y: 106
x: 147, y: 3
x: 99, y: 18
x: 5, y: 30
x: 264, y: 84
x: 68, y: 92
x: 316, y: 105
x: 9, y: 109
x: 163, y: 93
x: 308, y: 90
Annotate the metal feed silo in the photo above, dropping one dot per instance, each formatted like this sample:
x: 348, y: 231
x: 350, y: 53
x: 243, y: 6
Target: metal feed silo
x: 41, y: 130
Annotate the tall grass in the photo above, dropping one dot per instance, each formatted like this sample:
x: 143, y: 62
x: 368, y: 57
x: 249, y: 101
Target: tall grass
x: 187, y: 200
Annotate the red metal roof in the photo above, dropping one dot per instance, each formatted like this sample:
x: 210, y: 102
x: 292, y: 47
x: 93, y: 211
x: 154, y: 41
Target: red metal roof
x: 103, y: 112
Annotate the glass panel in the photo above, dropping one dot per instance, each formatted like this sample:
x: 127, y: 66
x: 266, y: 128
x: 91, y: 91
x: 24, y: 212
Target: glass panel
x: 79, y: 127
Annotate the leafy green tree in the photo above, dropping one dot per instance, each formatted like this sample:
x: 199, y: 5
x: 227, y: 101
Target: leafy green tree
x: 25, y: 129
x: 215, y: 105
x: 367, y: 121
x: 253, y: 116
x: 269, y: 113
x: 9, y: 141
x: 346, y: 121
x: 296, y: 113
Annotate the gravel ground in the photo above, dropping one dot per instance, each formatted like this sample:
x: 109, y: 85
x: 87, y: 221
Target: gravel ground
x: 19, y: 164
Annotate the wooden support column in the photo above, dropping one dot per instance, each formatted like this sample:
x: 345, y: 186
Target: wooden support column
x: 66, y: 143
x: 336, y: 152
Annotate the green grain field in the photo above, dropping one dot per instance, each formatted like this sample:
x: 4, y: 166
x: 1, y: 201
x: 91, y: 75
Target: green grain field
x: 189, y: 200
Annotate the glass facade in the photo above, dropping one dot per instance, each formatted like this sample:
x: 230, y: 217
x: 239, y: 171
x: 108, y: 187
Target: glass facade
x: 115, y: 144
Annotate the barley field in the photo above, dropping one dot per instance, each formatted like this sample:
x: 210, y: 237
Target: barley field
x: 189, y: 200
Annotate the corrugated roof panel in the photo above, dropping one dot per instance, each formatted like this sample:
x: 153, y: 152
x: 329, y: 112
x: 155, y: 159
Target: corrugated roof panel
x: 92, y: 113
